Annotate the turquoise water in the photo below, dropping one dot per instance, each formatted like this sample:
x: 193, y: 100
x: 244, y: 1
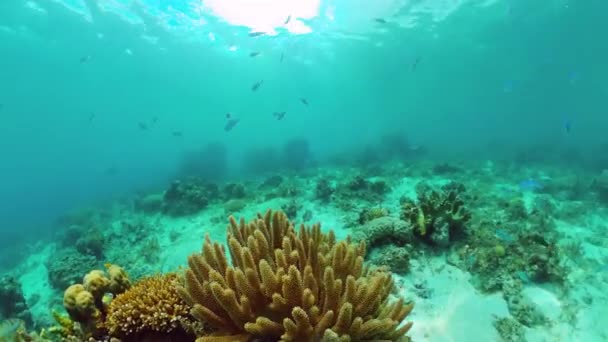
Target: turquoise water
x: 100, y: 104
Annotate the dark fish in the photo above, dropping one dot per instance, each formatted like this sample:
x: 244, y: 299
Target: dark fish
x: 380, y: 20
x: 256, y: 33
x: 304, y: 101
x: 279, y: 115
x: 254, y: 53
x: 85, y: 59
x: 111, y: 171
x: 154, y: 119
x: 257, y: 85
x: 230, y: 124
x: 282, y: 56
x: 177, y: 134
x: 567, y: 126
x: 287, y: 20
x: 228, y: 115
x: 415, y: 64
x: 143, y: 126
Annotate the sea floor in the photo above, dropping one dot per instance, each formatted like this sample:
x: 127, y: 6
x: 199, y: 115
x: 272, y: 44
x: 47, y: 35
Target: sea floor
x: 448, y: 305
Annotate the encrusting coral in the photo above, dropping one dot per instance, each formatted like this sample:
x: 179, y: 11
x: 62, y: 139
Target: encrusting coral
x: 85, y: 302
x: 151, y: 310
x: 285, y: 285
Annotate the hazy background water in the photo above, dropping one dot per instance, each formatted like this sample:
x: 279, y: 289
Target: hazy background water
x: 491, y: 76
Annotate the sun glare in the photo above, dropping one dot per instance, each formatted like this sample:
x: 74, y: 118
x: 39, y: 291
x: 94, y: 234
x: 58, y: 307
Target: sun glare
x: 265, y: 15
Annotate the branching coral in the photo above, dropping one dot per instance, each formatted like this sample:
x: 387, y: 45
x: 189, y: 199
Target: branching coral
x: 151, y: 307
x: 290, y: 286
x: 438, y: 216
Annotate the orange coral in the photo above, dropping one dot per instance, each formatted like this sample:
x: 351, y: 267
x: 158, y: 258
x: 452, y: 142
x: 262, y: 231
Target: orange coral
x: 150, y: 307
x: 290, y: 286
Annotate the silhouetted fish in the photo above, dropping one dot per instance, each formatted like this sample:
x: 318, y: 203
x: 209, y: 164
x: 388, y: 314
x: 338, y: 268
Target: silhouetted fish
x: 142, y: 126
x: 111, y: 171
x: 287, y: 20
x: 380, y: 20
x: 254, y: 53
x: 279, y: 115
x: 230, y: 124
x: 228, y: 115
x: 85, y: 59
x: 304, y: 101
x: 256, y: 33
x: 257, y: 85
x: 154, y: 119
x: 177, y: 134
x: 415, y: 64
x: 567, y: 126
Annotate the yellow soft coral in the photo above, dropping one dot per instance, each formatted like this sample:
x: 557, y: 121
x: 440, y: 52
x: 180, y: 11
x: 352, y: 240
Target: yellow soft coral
x: 151, y: 307
x: 290, y: 286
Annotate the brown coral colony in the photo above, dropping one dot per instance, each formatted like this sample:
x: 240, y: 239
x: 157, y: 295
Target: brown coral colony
x: 285, y: 285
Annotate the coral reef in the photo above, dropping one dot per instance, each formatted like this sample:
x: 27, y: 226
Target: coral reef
x: 234, y: 191
x: 324, y: 190
x: 601, y: 185
x: 439, y: 217
x: 397, y: 259
x: 12, y: 301
x: 66, y: 266
x: 234, y: 205
x: 528, y: 256
x: 189, y: 197
x: 85, y: 303
x: 360, y: 189
x: 152, y: 203
x: 150, y: 310
x: 370, y: 214
x: 385, y: 230
x: 290, y: 286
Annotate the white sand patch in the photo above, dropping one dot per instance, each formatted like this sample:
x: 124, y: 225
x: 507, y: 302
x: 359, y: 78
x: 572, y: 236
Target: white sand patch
x: 455, y: 311
x: 35, y: 282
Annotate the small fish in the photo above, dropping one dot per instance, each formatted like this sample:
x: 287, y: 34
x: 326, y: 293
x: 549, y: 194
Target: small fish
x: 177, y: 134
x: 279, y: 115
x: 282, y: 56
x: 256, y: 34
x: 524, y: 277
x: 228, y: 116
x: 304, y: 101
x: 257, y: 85
x: 230, y: 124
x: 567, y: 126
x: 254, y: 53
x: 504, y: 235
x: 530, y: 184
x: 111, y: 171
x: 415, y: 64
x: 154, y: 120
x: 85, y: 59
x: 142, y: 126
x: 287, y: 20
x: 380, y: 20
x: 92, y: 117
